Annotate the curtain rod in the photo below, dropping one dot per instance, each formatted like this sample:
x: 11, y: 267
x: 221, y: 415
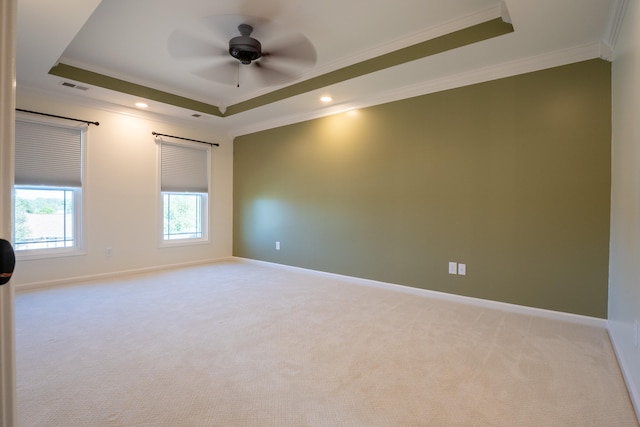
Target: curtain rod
x: 186, y: 139
x: 58, y: 117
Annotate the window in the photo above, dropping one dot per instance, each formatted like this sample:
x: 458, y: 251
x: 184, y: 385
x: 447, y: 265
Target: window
x: 44, y: 218
x: 184, y: 181
x: 48, y: 189
x: 182, y: 215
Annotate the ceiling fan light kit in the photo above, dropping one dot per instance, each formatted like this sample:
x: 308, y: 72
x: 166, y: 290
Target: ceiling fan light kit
x: 244, y: 47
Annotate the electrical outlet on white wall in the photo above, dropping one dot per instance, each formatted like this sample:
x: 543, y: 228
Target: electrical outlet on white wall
x: 636, y: 332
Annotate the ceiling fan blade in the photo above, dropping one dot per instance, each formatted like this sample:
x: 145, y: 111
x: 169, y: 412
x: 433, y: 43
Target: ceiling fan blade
x: 182, y: 45
x: 270, y: 74
x: 225, y: 73
x: 206, y: 44
x: 294, y: 47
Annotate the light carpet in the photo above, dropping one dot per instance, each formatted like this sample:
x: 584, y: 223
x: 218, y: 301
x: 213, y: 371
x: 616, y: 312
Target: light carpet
x: 240, y: 344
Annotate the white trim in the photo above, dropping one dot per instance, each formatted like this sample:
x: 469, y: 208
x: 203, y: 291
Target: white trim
x: 606, y: 51
x: 457, y: 24
x: 8, y: 20
x: 476, y: 18
x: 614, y: 23
x: 632, y: 386
x: 101, y: 105
x: 7, y: 356
x: 482, y: 15
x: 495, y: 305
x: 504, y: 13
x: 485, y: 74
x: 112, y: 275
x: 79, y: 230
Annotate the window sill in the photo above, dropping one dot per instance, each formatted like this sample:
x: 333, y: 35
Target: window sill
x: 183, y: 242
x: 34, y: 254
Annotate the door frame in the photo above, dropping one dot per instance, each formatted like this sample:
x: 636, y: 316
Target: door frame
x: 8, y: 19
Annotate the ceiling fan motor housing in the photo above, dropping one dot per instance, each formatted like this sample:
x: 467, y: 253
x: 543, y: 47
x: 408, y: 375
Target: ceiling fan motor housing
x: 244, y: 47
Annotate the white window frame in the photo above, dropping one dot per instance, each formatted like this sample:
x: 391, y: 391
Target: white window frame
x: 205, y: 206
x: 78, y: 199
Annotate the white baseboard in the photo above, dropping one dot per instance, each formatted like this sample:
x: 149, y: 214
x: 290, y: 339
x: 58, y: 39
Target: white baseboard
x: 632, y: 386
x: 112, y: 275
x: 497, y: 305
x: 514, y: 308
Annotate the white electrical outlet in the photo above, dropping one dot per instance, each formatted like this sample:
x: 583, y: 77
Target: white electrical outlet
x: 107, y: 251
x: 636, y: 332
x: 462, y: 269
x: 453, y: 268
x: 277, y: 246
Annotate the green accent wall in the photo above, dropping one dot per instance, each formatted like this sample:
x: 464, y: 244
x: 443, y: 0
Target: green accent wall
x: 510, y: 177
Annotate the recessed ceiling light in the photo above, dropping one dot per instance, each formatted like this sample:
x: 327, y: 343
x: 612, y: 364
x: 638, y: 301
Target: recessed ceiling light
x: 326, y: 99
x: 141, y: 105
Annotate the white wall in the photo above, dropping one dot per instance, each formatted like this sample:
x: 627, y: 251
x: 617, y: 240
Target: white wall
x: 624, y: 268
x: 121, y: 190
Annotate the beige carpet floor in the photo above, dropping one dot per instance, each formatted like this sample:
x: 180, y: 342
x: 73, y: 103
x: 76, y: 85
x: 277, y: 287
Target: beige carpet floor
x: 239, y: 344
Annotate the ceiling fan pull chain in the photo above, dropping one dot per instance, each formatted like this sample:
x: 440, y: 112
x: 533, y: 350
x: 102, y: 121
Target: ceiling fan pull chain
x: 238, y: 75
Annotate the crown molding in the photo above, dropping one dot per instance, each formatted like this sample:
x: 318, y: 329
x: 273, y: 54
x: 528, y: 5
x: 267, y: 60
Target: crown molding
x: 30, y: 96
x: 451, y: 26
x: 610, y: 36
x: 504, y: 13
x: 495, y: 72
x: 479, y: 17
x: 480, y: 75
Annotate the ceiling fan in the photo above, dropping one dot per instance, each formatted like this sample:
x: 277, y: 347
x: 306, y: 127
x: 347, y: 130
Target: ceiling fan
x: 244, y: 47
x: 281, y: 56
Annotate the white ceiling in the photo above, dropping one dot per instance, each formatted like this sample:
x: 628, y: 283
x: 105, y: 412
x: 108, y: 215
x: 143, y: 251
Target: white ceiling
x: 144, y: 42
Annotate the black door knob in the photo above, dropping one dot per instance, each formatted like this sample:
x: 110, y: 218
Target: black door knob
x: 7, y: 261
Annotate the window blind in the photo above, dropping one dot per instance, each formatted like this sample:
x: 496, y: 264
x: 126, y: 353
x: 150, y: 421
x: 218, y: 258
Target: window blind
x: 48, y: 155
x: 184, y: 169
